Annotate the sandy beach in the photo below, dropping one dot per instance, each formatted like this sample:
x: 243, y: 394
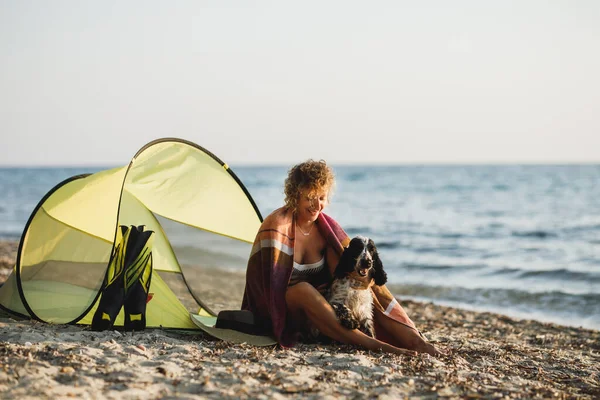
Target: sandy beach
x: 490, y: 356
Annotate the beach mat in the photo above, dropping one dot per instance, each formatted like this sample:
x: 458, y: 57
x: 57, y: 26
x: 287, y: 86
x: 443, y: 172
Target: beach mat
x: 207, y: 324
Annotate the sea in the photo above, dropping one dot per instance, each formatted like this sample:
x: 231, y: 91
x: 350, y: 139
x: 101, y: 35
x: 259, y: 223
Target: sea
x: 521, y: 240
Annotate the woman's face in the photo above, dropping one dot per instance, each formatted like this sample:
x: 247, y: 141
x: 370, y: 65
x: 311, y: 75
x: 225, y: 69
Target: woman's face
x: 311, y: 203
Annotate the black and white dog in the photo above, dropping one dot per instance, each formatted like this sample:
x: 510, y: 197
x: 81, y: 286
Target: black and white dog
x: 350, y: 295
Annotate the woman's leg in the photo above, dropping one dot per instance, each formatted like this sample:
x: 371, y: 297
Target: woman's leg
x: 303, y: 298
x: 403, y: 336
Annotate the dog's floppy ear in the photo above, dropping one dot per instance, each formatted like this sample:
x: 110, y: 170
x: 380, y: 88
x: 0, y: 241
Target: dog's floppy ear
x: 380, y: 275
x: 344, y: 265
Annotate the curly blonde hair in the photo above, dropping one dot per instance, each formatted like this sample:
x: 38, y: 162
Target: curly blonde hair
x: 316, y: 176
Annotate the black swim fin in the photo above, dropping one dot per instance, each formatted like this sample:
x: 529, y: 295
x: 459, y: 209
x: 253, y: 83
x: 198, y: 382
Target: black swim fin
x: 113, y: 293
x: 137, y: 279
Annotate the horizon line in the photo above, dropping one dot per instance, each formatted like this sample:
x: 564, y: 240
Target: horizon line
x: 332, y: 163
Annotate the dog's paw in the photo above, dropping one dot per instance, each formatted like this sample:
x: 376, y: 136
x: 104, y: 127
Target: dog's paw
x: 344, y: 315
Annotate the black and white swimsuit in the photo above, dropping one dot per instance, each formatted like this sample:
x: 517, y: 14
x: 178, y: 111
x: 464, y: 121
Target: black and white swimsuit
x: 307, y: 272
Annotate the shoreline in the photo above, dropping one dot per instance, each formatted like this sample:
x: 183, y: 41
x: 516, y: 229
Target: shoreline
x: 491, y: 356
x: 205, y: 280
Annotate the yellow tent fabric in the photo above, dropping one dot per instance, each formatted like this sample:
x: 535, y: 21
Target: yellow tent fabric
x: 69, y: 238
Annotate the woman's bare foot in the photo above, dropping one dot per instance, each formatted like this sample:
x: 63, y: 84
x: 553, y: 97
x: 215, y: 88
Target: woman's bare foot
x: 405, y: 352
x: 426, y: 347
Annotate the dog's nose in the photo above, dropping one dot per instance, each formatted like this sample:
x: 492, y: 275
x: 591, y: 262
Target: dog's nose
x: 364, y: 263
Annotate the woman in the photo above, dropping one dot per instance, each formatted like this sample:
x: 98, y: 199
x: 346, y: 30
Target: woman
x: 295, y: 252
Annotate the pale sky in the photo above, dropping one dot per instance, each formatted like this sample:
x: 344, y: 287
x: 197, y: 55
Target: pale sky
x: 89, y: 83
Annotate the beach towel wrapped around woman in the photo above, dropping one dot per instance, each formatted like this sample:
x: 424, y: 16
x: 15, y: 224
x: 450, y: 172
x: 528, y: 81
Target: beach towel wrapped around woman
x: 270, y: 267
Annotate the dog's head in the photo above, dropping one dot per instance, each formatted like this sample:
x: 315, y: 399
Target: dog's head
x: 361, y: 259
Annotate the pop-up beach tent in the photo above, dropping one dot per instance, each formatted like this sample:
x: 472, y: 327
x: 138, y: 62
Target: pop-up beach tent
x: 69, y: 238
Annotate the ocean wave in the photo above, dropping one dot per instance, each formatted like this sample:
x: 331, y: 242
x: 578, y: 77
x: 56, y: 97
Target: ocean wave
x: 387, y: 245
x: 380, y: 244
x: 358, y: 230
x: 451, y: 235
x: 440, y: 267
x: 10, y: 236
x: 504, y: 271
x: 557, y: 274
x: 434, y: 249
x: 259, y: 183
x: 436, y: 235
x: 562, y: 274
x: 537, y: 234
x: 549, y: 303
x: 499, y: 296
x: 458, y: 188
x: 585, y: 227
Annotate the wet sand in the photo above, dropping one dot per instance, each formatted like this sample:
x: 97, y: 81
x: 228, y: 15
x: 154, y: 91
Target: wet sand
x: 490, y: 356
